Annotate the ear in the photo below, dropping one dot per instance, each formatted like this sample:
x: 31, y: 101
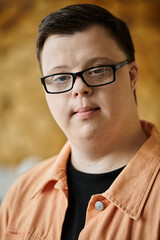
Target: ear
x: 133, y: 73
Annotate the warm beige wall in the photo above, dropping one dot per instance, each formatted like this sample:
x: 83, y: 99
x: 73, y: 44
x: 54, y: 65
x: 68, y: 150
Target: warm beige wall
x: 26, y: 126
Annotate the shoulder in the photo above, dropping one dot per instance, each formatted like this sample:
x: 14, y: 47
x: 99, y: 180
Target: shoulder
x: 48, y: 170
x: 26, y: 184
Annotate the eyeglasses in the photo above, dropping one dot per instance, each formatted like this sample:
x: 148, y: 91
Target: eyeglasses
x: 92, y: 77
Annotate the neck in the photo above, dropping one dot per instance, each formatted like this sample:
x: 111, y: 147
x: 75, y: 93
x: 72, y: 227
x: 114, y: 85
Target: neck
x: 96, y: 157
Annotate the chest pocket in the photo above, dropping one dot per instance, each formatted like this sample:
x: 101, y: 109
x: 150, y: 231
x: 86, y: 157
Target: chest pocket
x: 22, y: 236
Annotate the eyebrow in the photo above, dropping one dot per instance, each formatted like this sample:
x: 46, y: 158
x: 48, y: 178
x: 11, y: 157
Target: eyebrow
x: 86, y: 64
x: 96, y: 59
x: 56, y: 68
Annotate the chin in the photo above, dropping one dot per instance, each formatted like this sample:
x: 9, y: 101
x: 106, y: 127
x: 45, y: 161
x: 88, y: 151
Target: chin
x: 87, y: 134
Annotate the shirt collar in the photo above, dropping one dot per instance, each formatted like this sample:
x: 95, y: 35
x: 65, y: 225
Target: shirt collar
x: 56, y: 173
x: 131, y: 188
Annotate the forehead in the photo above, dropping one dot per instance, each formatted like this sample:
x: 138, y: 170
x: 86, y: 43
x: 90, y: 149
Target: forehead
x: 78, y: 48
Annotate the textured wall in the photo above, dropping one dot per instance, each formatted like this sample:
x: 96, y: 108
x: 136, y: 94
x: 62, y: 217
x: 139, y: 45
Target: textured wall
x: 26, y: 126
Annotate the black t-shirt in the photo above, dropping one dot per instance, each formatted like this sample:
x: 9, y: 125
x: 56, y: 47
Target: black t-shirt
x: 81, y: 187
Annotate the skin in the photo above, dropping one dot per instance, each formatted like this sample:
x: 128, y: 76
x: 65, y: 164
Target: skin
x: 101, y: 123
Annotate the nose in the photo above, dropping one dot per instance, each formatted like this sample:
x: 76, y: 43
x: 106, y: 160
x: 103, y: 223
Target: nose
x: 80, y: 88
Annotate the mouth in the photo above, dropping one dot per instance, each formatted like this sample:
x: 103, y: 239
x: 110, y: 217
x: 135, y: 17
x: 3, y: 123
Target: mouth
x: 85, y: 112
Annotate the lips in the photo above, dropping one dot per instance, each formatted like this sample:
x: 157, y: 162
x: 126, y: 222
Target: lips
x: 86, y: 112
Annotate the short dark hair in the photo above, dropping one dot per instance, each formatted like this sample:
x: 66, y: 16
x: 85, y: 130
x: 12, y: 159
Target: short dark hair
x: 79, y: 17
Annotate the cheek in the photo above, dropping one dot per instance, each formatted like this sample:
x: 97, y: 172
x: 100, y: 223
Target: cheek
x: 116, y: 98
x: 55, y: 105
x: 59, y: 108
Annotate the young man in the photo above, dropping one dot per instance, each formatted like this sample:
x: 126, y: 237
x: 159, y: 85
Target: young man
x: 104, y: 184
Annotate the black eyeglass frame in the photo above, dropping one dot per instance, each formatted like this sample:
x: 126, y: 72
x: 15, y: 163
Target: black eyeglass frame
x: 114, y: 67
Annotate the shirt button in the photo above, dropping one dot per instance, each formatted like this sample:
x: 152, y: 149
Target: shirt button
x: 99, y: 206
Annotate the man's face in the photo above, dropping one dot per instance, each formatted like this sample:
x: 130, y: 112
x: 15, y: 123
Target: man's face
x: 89, y: 113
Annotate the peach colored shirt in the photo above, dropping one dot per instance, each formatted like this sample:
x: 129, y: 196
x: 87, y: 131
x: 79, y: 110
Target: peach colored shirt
x: 35, y: 206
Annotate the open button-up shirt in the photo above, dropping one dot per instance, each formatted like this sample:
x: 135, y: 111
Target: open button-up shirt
x: 35, y: 206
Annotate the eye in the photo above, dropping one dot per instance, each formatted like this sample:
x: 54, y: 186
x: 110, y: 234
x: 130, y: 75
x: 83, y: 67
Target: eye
x: 61, y: 78
x: 98, y: 71
x: 58, y: 79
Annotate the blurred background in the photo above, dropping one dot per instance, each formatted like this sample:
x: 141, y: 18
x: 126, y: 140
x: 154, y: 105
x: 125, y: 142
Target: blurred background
x: 28, y: 134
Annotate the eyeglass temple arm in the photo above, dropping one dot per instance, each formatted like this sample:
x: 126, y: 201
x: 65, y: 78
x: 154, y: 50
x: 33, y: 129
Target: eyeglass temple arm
x: 121, y: 64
